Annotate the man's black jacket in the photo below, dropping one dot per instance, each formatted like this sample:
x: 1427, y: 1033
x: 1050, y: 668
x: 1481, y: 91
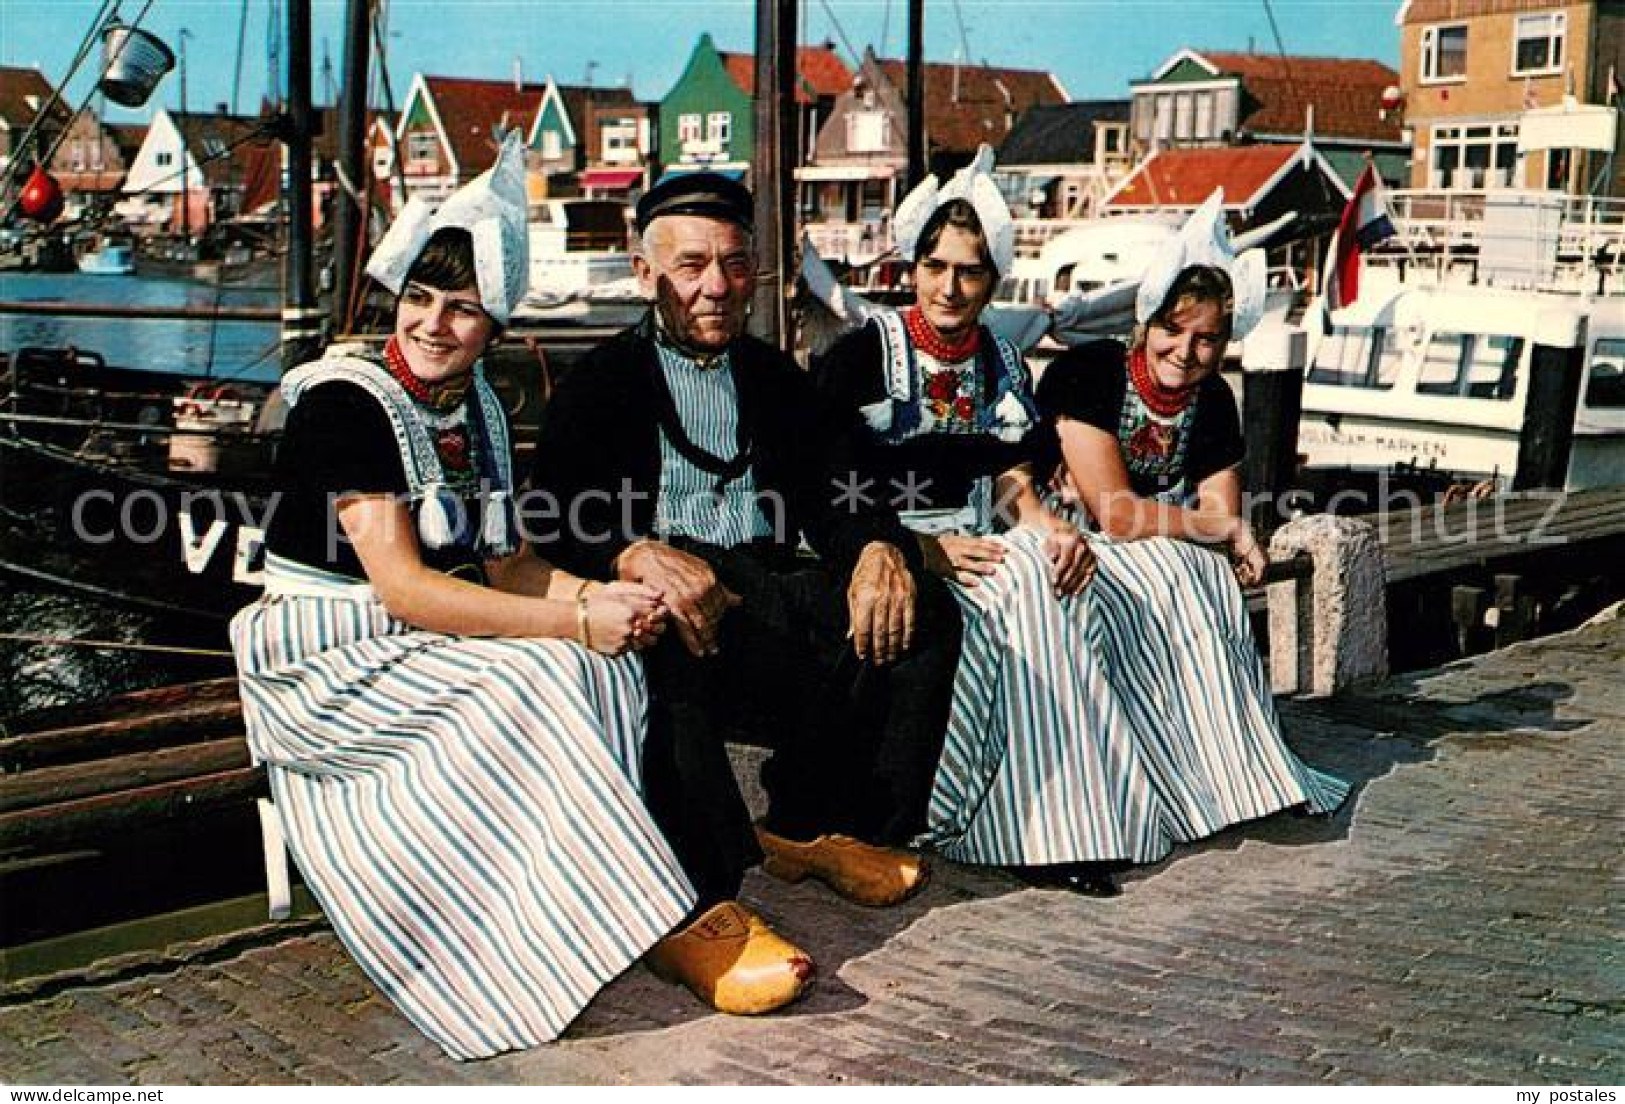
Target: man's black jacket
x: 598, y: 459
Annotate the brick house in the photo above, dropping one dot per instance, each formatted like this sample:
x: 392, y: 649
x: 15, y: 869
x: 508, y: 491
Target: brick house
x: 1480, y: 77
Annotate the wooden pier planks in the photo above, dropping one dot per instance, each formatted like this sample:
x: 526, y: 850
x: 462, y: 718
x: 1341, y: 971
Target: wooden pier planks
x: 1435, y: 539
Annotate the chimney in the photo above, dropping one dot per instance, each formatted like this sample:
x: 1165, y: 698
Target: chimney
x: 221, y: 108
x: 518, y: 74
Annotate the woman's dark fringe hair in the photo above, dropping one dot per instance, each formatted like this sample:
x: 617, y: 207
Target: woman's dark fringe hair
x: 1200, y: 284
x: 959, y: 214
x: 447, y: 261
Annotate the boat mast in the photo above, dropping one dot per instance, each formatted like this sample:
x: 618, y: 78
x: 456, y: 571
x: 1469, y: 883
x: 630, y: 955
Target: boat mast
x: 349, y: 219
x: 301, y: 320
x: 773, y: 166
x: 915, y: 68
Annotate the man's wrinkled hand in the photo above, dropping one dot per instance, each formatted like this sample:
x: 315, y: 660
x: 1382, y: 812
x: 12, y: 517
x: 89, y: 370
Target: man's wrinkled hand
x: 880, y: 604
x: 694, y: 597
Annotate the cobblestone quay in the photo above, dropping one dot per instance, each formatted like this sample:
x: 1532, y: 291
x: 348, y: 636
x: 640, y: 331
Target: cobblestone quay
x: 1459, y: 921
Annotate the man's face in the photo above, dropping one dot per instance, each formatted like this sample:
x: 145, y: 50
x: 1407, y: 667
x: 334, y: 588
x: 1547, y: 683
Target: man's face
x: 701, y: 273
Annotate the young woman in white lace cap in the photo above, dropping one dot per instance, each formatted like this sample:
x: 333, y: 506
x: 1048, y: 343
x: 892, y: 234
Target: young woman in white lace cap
x: 452, y: 727
x: 1145, y: 443
x: 1051, y: 763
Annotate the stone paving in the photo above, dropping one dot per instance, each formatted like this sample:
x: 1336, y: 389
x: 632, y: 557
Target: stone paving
x: 1459, y: 921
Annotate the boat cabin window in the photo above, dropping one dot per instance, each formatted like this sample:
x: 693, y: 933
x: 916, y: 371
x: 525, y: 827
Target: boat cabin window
x: 1357, y: 356
x: 1477, y: 366
x: 1605, y: 380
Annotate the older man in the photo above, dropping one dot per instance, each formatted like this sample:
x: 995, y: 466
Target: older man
x: 688, y: 456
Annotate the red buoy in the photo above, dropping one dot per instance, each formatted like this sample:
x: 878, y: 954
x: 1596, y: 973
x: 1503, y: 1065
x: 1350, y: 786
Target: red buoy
x: 41, y: 198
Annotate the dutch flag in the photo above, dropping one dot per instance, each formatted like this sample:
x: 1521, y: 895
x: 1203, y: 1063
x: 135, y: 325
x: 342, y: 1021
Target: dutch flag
x: 1365, y: 222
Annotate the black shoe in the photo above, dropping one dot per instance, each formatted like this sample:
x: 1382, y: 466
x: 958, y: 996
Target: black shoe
x: 1091, y: 879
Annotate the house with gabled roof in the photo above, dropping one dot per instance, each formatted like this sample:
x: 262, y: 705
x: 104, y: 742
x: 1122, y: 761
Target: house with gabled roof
x: 1204, y: 98
x: 451, y: 128
x: 24, y: 93
x: 1261, y: 183
x: 707, y: 120
x: 967, y: 105
x: 856, y: 173
x: 1061, y: 160
x: 203, y: 160
x: 596, y: 141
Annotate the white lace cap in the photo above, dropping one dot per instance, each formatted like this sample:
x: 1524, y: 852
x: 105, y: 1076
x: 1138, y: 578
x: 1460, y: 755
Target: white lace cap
x: 973, y: 183
x: 492, y: 208
x: 1204, y: 240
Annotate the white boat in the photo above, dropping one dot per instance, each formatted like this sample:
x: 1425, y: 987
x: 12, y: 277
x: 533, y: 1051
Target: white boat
x: 108, y: 260
x: 580, y: 265
x: 1428, y: 371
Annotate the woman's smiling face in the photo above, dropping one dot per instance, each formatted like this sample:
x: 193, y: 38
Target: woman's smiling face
x: 1186, y: 345
x: 441, y: 333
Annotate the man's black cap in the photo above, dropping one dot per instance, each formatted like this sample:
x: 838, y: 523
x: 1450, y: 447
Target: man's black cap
x: 701, y: 193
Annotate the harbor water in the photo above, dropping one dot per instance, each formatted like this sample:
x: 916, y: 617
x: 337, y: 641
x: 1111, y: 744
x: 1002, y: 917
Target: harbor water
x: 57, y: 648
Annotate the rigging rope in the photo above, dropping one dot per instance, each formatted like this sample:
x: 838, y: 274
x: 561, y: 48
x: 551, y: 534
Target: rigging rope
x: 113, y: 645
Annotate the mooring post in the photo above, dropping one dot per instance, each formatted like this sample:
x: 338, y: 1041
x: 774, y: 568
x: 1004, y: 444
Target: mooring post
x: 1329, y: 632
x: 1272, y: 399
x: 1557, y: 366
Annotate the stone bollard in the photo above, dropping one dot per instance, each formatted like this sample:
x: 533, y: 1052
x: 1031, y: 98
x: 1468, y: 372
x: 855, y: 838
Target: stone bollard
x: 1328, y: 632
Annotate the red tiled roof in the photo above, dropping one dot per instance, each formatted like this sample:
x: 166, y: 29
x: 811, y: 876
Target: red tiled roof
x: 822, y: 72
x: 470, y: 109
x: 1346, y: 94
x: 16, y: 85
x: 1185, y: 177
x: 987, y: 104
x: 224, y: 146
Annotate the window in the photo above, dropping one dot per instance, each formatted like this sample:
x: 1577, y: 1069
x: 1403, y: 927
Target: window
x: 1444, y: 53
x: 165, y: 159
x: 719, y: 127
x: 1164, y: 128
x: 1479, y: 366
x: 867, y: 131
x: 421, y: 148
x: 1112, y: 139
x: 552, y: 147
x: 688, y: 128
x: 1182, y: 115
x: 1484, y: 156
x: 1354, y: 356
x: 1537, y: 44
x: 1204, y: 115
x: 1605, y: 381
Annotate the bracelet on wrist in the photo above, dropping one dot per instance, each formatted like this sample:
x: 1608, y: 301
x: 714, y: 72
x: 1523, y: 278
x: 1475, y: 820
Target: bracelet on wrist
x: 583, y: 625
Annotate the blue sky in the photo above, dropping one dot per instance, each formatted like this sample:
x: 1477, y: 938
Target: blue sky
x: 1095, y: 46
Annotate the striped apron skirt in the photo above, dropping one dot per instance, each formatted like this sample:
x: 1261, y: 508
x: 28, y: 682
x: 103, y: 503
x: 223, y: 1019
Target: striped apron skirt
x: 466, y: 810
x: 1112, y: 724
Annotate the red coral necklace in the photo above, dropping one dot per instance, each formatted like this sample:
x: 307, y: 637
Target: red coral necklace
x: 1163, y: 401
x: 441, y: 397
x: 928, y: 341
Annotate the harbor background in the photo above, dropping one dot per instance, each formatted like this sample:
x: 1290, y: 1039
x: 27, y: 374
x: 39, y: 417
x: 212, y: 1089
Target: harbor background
x: 36, y: 675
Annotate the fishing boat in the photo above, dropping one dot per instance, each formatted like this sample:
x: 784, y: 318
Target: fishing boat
x: 1428, y: 377
x: 108, y: 259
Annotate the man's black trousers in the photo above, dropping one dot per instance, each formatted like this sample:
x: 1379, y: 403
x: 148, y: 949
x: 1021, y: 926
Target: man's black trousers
x: 855, y: 745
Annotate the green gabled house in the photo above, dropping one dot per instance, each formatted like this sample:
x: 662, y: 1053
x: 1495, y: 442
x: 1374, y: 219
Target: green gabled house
x: 707, y: 121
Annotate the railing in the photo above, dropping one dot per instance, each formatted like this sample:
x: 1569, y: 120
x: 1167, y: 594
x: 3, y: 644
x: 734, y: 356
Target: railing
x: 851, y: 241
x: 1534, y: 240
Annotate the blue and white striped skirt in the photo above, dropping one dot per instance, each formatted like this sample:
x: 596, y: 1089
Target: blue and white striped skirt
x: 465, y: 810
x: 1112, y: 724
